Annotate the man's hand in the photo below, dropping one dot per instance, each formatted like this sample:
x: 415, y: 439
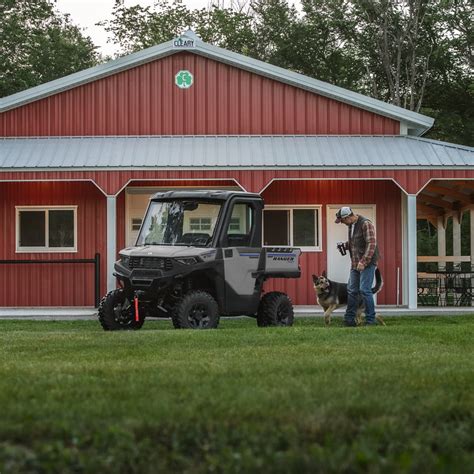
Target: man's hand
x: 360, y: 267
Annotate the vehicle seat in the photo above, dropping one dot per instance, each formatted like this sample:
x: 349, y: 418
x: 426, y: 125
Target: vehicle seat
x: 238, y: 240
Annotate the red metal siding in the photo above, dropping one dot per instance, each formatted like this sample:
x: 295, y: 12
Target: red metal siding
x: 52, y: 285
x: 223, y: 100
x: 42, y: 285
x: 111, y: 182
x: 387, y: 198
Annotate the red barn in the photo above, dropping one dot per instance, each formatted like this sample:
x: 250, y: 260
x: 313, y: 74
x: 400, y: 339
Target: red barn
x: 80, y: 156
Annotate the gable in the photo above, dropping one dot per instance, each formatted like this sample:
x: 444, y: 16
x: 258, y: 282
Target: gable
x: 223, y: 100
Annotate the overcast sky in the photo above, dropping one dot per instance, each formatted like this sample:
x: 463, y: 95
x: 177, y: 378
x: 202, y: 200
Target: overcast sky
x: 86, y: 13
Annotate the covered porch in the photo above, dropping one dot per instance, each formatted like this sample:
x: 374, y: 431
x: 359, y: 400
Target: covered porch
x: 445, y: 228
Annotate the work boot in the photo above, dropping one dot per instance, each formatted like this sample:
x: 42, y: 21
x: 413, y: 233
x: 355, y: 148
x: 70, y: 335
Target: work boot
x: 350, y: 323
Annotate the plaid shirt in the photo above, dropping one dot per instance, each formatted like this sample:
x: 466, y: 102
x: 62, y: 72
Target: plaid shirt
x: 368, y: 231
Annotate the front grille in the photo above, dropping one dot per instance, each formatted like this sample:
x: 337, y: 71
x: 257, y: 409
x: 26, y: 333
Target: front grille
x: 151, y: 263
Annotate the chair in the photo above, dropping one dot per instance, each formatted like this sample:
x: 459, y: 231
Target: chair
x: 463, y: 291
x: 429, y: 291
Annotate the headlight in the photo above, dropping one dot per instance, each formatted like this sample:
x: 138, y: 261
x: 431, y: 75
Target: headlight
x: 124, y: 260
x: 187, y: 260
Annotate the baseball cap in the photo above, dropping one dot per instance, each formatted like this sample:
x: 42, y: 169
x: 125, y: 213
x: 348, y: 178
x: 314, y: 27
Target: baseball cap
x: 343, y: 212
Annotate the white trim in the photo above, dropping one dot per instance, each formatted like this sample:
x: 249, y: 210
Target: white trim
x: 292, y: 207
x: 54, y: 180
x: 132, y: 180
x: 393, y: 180
x: 46, y: 248
x: 444, y: 179
x: 156, y: 189
x: 241, y: 168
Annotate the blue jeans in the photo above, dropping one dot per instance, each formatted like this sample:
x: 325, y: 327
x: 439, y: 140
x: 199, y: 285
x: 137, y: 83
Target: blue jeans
x: 360, y: 285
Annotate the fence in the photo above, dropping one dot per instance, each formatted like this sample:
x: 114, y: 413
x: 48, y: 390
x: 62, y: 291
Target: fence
x: 95, y: 261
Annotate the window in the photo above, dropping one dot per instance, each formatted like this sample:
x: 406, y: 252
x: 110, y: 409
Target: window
x: 292, y: 227
x: 200, y: 223
x: 51, y: 229
x: 136, y: 224
x: 239, y: 231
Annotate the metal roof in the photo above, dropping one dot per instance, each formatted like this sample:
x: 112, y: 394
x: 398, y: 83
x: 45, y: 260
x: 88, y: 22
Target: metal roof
x: 190, y: 42
x: 236, y: 152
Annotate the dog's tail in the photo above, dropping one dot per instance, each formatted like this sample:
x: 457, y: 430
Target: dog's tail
x: 378, y: 281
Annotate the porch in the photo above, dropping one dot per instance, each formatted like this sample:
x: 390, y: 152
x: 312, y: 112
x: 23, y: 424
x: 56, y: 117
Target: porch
x: 445, y: 261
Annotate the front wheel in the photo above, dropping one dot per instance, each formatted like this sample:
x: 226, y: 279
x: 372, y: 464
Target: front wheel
x: 116, y: 312
x: 275, y: 309
x: 196, y: 310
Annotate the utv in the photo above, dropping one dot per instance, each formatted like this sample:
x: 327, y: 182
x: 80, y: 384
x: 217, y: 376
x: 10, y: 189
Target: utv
x: 199, y: 255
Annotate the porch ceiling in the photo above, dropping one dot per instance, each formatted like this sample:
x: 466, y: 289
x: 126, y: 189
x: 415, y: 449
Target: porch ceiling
x: 445, y: 198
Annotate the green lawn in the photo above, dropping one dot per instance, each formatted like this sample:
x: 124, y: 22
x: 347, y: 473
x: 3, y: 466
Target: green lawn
x: 244, y: 399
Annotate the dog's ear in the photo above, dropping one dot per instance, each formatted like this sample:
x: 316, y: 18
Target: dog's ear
x: 314, y: 278
x: 324, y: 274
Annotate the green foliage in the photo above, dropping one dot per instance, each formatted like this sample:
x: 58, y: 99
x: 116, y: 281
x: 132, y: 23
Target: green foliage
x: 226, y: 28
x: 39, y: 45
x: 137, y: 27
x: 427, y: 241
x: 237, y: 399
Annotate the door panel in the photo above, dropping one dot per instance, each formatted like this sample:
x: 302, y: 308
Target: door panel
x: 338, y: 265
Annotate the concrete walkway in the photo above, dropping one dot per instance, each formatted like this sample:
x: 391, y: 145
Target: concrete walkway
x: 81, y: 313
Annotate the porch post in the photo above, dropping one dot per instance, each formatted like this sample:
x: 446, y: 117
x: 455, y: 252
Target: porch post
x: 471, y: 250
x: 111, y: 241
x: 472, y: 239
x: 411, y: 251
x: 457, y: 239
x: 441, y: 242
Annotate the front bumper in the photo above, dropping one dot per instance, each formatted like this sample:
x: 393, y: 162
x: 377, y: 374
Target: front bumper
x: 144, y: 279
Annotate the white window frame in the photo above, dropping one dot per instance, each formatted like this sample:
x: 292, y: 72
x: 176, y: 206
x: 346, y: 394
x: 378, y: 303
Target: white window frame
x: 202, y: 226
x: 291, y: 208
x: 45, y: 249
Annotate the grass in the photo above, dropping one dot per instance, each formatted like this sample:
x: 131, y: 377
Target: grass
x: 238, y: 399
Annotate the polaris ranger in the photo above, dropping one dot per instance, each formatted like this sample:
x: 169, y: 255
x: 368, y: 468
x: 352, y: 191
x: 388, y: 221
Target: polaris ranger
x: 199, y: 255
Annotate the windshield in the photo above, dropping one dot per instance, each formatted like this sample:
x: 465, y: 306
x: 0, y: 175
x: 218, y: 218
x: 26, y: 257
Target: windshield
x: 183, y: 222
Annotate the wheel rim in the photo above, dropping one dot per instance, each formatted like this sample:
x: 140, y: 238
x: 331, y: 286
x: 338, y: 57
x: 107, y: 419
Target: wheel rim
x: 123, y: 313
x: 283, y: 315
x: 198, y: 316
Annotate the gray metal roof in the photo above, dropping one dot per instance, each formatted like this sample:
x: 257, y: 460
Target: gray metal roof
x: 417, y: 122
x: 236, y: 152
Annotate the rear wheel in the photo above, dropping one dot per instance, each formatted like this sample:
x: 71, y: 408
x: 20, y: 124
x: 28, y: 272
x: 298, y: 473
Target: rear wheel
x: 196, y: 310
x: 116, y: 312
x: 275, y: 309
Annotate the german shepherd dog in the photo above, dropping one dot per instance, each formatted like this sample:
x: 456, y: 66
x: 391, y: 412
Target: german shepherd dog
x: 332, y: 294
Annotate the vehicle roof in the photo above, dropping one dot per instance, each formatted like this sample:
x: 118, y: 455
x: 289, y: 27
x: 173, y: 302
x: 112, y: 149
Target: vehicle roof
x: 219, y: 195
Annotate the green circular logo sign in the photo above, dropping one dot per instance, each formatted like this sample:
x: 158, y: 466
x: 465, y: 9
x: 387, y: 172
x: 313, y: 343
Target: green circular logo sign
x: 184, y: 79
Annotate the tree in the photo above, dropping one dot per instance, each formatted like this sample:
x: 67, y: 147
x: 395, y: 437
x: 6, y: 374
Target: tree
x: 136, y: 27
x: 38, y: 45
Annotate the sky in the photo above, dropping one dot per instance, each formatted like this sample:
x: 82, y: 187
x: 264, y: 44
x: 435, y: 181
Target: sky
x: 85, y: 13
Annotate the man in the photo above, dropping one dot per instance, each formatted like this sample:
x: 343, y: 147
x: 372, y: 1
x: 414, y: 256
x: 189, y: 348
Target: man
x: 364, y: 254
